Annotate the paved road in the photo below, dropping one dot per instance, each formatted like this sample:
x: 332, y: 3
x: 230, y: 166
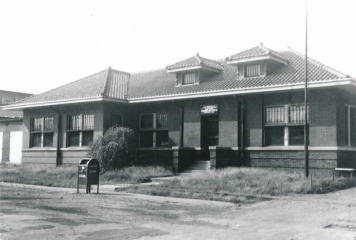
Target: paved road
x: 52, y: 213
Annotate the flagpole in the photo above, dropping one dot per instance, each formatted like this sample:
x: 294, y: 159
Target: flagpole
x: 306, y: 127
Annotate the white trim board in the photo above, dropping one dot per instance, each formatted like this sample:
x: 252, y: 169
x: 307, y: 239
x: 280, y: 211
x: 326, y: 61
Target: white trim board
x: 299, y: 148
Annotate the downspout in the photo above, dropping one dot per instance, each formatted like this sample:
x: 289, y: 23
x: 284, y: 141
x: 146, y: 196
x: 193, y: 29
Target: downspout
x: 182, y: 128
x: 58, y: 153
x: 242, y: 133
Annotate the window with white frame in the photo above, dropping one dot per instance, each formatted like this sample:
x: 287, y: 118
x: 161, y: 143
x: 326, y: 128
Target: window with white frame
x: 154, y: 130
x: 350, y: 126
x: 252, y: 70
x: 284, y: 125
x: 80, y: 130
x: 41, y: 132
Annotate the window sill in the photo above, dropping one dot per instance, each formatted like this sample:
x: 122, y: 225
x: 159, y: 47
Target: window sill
x: 153, y: 148
x: 86, y: 148
x: 275, y: 124
x: 300, y: 148
x: 39, y: 149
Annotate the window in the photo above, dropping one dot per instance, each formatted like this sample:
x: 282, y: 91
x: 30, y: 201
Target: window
x: 350, y: 126
x: 284, y: 125
x: 188, y: 78
x: 274, y: 136
x: 41, y: 132
x: 116, y: 120
x: 154, y: 130
x: 252, y: 70
x: 80, y: 130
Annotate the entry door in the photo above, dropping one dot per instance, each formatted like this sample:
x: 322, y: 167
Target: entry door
x: 1, y: 135
x: 15, y: 147
x: 209, y: 134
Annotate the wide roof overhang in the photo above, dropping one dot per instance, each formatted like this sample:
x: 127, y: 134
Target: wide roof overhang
x: 224, y: 92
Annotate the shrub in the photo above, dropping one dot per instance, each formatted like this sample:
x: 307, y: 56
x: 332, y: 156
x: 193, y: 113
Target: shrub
x: 115, y: 149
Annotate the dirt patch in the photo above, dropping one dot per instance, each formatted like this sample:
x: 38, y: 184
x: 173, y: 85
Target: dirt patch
x: 59, y: 215
x: 127, y: 233
x: 40, y: 227
x: 71, y: 210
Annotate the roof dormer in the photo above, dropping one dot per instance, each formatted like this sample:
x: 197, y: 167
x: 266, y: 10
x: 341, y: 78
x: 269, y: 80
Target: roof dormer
x: 192, y: 70
x: 257, y: 61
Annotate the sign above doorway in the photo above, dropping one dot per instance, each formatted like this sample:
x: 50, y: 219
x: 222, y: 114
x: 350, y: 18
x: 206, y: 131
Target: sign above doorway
x: 209, y: 109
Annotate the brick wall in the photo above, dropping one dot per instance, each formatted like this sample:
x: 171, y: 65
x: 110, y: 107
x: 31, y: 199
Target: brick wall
x: 174, y: 118
x: 68, y: 155
x: 253, y: 130
x: 192, y: 124
x: 182, y: 158
x: 343, y: 97
x: 39, y: 156
x: 228, y: 124
x: 149, y: 157
x: 291, y: 159
x: 322, y: 131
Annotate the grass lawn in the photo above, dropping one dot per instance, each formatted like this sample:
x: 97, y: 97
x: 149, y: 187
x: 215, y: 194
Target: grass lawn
x: 66, y: 176
x: 238, y: 185
x: 243, y: 185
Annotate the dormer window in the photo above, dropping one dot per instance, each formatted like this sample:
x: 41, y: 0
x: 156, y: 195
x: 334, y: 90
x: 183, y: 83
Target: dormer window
x: 193, y: 70
x: 188, y: 78
x: 252, y: 70
x: 256, y: 62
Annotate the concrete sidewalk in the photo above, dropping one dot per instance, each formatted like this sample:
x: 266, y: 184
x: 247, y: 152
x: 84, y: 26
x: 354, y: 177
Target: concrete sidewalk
x: 110, y: 189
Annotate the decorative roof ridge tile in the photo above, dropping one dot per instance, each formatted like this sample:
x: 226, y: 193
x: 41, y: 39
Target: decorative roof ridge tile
x: 197, y: 57
x: 182, y: 64
x: 266, y: 51
x: 318, y: 64
x: 123, y: 72
x: 106, y: 82
x: 148, y: 71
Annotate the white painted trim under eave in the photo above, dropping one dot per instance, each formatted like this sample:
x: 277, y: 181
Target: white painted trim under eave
x: 61, y: 102
x: 338, y: 82
x: 252, y: 59
x: 300, y: 148
x: 185, y: 69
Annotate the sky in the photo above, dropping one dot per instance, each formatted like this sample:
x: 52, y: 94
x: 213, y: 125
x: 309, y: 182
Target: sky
x: 46, y: 44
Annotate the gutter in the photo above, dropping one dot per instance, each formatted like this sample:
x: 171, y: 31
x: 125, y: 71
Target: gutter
x: 317, y: 84
x: 327, y: 83
x: 58, y: 152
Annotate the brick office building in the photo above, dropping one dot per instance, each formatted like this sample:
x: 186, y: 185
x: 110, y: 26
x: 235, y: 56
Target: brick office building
x: 245, y: 110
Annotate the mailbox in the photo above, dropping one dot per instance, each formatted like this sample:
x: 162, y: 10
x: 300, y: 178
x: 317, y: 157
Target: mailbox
x: 88, y: 173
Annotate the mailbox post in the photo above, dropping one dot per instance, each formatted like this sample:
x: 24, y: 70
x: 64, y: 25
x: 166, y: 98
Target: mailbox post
x: 88, y: 173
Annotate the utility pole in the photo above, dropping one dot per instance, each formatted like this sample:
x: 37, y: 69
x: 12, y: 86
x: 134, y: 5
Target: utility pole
x: 306, y: 126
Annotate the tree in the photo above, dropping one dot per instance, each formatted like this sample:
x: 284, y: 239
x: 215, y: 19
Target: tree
x: 115, y: 149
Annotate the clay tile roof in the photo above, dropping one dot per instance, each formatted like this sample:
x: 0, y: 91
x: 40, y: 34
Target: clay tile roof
x: 196, y: 61
x: 162, y: 84
x: 256, y: 52
x: 119, y: 85
x: 107, y: 83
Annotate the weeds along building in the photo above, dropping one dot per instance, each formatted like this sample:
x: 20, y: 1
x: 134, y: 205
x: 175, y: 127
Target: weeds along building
x: 246, y: 110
